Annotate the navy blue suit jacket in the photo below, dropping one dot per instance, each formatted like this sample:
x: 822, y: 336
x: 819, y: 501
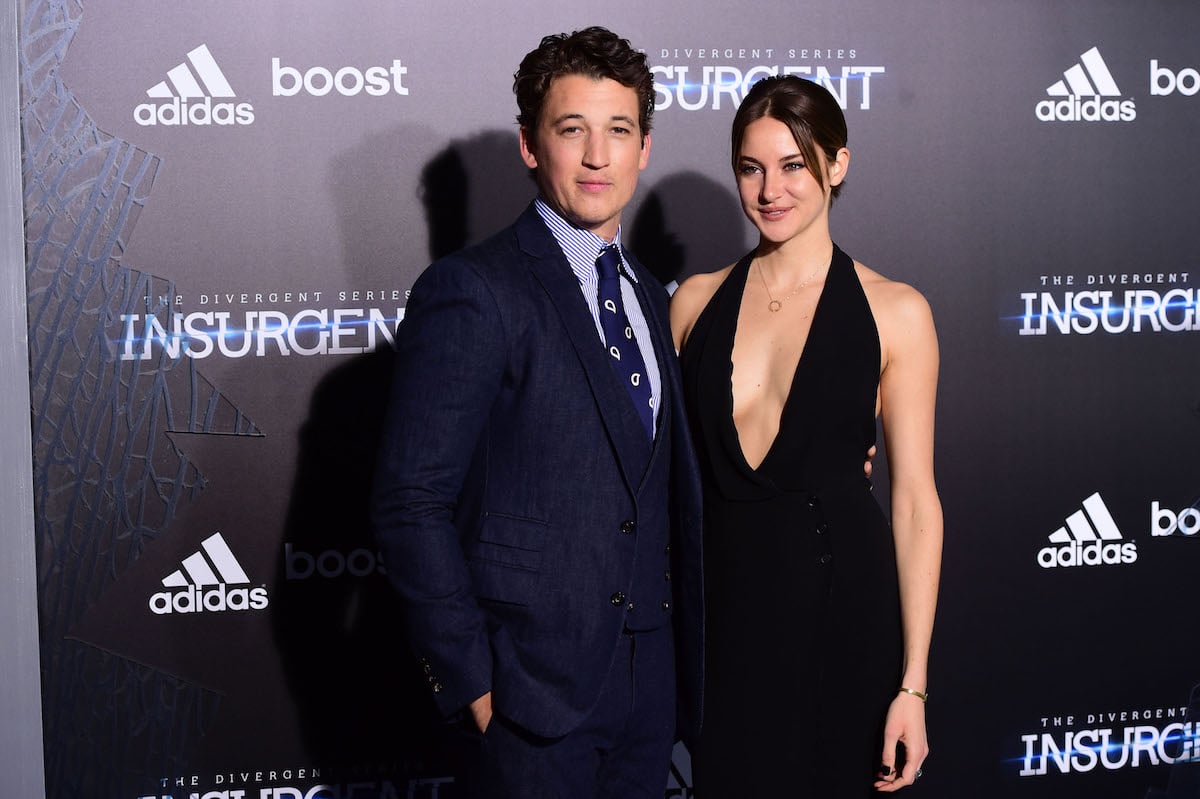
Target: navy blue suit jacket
x: 505, y: 477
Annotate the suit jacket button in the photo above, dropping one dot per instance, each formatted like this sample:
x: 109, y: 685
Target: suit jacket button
x: 628, y: 526
x: 629, y: 607
x: 666, y: 605
x: 617, y: 599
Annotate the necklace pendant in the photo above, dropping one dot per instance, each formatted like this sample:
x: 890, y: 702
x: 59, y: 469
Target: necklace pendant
x: 774, y: 305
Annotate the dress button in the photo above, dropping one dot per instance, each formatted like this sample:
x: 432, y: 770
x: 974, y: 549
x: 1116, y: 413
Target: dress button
x: 813, y: 503
x: 628, y: 526
x: 667, y: 551
x: 824, y: 559
x: 666, y: 605
x: 822, y: 528
x: 437, y: 687
x: 617, y: 599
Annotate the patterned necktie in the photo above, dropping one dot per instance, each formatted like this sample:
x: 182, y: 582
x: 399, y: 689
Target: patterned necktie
x: 618, y: 335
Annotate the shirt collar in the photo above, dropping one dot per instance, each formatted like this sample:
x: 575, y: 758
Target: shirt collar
x: 581, y: 247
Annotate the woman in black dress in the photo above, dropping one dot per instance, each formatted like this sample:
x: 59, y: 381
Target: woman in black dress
x: 819, y: 613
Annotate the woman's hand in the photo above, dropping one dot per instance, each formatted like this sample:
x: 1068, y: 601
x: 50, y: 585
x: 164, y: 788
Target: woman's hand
x: 905, y: 723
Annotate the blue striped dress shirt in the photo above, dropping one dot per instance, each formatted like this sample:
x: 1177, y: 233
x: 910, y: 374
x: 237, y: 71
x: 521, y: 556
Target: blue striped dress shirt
x: 582, y: 247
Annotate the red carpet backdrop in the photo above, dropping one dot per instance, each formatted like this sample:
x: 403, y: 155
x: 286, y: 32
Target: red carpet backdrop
x: 226, y: 204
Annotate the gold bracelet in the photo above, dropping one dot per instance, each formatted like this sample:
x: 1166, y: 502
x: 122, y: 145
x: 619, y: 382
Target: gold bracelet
x: 924, y: 697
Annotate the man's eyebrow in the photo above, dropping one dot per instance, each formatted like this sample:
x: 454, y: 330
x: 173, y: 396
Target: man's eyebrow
x: 616, y: 118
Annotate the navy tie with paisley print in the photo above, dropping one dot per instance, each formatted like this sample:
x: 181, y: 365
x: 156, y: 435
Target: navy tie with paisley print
x: 618, y: 337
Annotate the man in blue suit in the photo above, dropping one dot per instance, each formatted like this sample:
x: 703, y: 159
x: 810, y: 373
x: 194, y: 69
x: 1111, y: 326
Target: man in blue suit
x: 537, y: 500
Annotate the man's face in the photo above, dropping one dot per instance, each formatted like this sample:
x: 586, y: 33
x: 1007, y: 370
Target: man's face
x: 588, y: 151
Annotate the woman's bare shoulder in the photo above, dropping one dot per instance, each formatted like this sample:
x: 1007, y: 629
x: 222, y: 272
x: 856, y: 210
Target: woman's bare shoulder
x: 701, y: 287
x: 690, y: 299
x: 892, y: 300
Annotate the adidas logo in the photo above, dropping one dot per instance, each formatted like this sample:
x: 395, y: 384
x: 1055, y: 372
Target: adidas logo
x: 1090, y: 538
x: 1083, y: 91
x: 203, y: 583
x: 186, y: 96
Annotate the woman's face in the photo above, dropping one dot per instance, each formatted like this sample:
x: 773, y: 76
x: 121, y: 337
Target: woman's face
x: 780, y: 194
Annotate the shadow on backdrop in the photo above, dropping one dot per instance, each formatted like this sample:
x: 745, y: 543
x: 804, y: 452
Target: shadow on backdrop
x: 688, y: 224
x: 361, y: 701
x: 472, y: 189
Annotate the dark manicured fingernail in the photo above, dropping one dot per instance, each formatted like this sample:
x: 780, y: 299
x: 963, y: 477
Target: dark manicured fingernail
x: 886, y: 771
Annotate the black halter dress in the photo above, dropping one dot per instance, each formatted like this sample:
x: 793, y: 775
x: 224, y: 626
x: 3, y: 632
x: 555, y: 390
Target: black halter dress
x: 803, y: 644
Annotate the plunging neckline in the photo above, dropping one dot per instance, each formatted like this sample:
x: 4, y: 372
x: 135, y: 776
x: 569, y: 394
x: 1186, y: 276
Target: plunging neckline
x: 795, y: 369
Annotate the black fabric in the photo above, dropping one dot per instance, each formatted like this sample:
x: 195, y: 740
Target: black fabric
x: 803, y: 645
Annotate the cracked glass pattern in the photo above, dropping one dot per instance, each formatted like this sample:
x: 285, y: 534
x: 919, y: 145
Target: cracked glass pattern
x: 108, y: 479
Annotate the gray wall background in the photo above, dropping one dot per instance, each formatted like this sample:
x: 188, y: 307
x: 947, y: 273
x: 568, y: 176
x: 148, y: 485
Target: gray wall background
x: 20, y: 690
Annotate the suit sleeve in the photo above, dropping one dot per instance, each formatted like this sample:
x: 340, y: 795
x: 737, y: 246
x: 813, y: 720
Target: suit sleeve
x: 449, y: 365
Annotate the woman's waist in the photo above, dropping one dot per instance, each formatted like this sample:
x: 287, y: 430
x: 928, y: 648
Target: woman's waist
x: 798, y: 489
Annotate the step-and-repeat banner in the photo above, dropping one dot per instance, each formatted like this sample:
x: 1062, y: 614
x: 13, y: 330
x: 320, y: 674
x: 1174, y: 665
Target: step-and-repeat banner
x: 226, y: 204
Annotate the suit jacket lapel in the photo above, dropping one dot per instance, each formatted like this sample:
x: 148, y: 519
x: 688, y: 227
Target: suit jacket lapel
x: 549, y: 266
x: 664, y: 351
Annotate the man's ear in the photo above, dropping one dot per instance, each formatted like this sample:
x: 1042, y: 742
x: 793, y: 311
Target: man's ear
x: 527, y: 148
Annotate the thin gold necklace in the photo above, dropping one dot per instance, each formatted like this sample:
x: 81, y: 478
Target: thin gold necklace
x: 775, y: 305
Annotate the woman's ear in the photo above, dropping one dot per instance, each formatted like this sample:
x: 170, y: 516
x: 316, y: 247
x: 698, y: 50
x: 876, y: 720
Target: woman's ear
x: 838, y: 167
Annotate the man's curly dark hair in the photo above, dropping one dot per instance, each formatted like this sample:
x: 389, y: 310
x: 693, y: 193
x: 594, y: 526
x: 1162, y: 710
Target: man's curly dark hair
x: 592, y: 52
